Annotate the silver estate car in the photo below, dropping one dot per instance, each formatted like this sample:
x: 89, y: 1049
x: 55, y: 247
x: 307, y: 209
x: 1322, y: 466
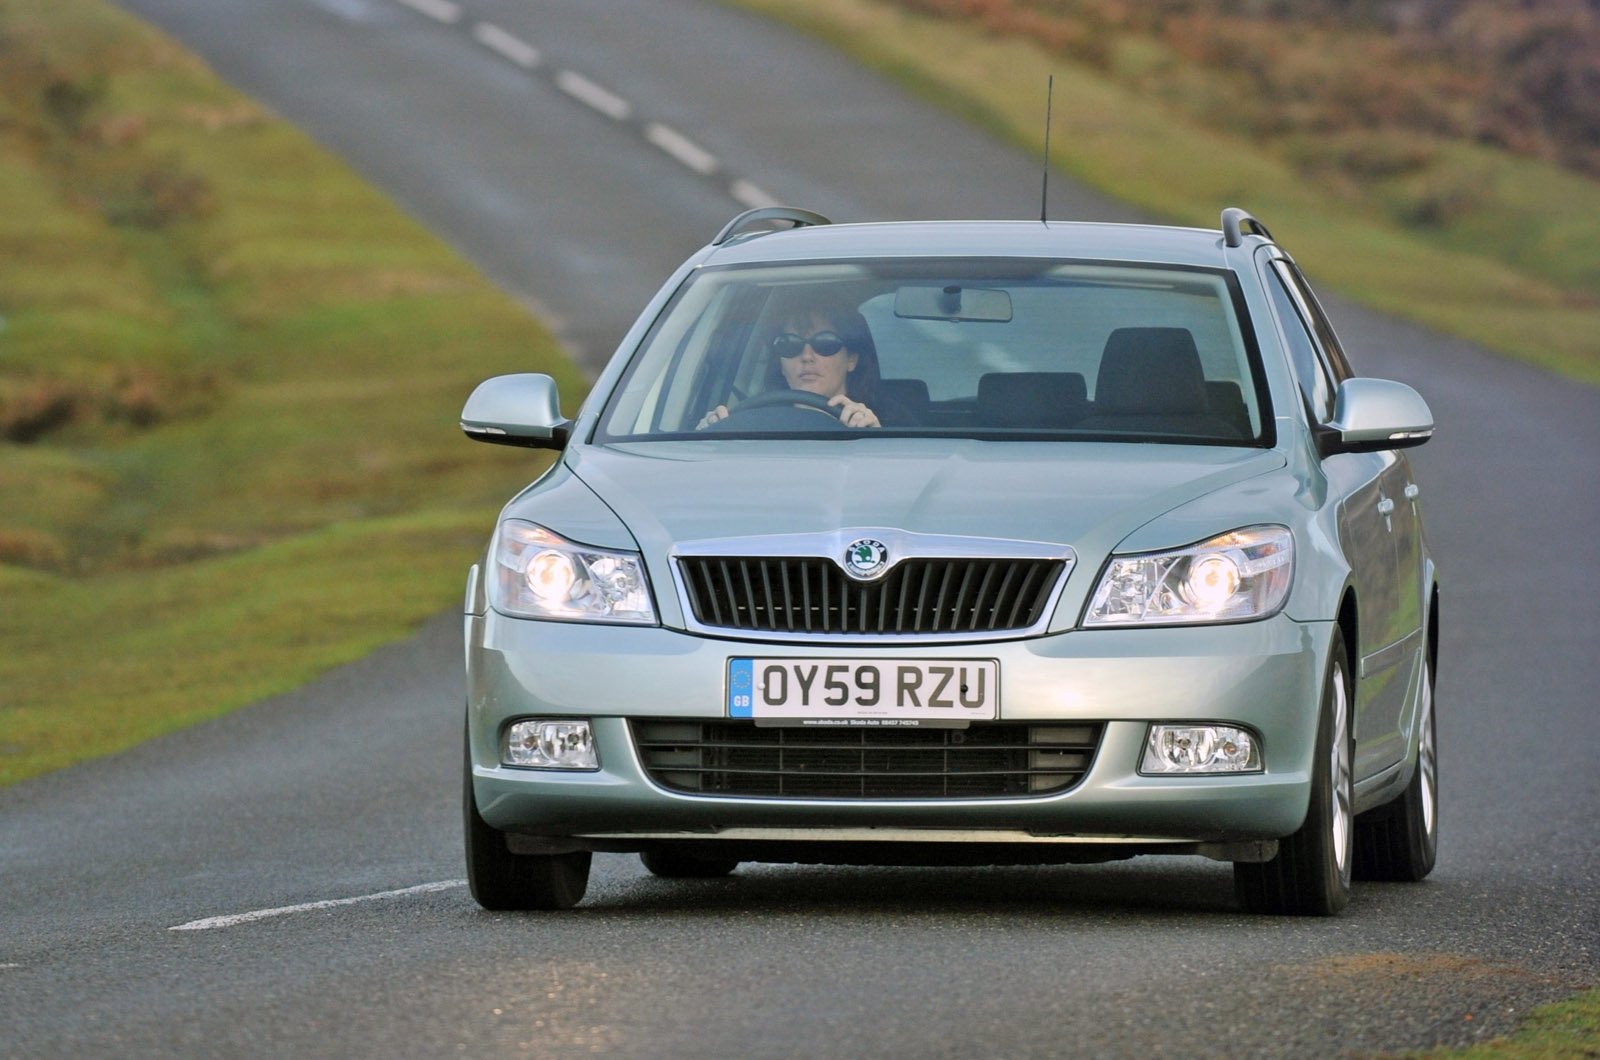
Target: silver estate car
x: 960, y: 543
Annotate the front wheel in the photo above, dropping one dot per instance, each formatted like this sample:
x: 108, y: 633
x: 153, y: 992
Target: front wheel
x: 502, y: 880
x: 1311, y: 874
x: 1399, y: 841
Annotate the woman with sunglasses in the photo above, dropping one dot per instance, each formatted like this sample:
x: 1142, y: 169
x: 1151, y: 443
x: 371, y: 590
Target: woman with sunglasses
x: 825, y: 350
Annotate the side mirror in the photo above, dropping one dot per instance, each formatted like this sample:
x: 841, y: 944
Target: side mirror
x: 1374, y: 414
x: 520, y: 410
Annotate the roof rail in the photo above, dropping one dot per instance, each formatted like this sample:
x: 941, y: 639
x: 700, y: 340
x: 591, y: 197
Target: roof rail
x: 801, y: 219
x: 1234, y: 221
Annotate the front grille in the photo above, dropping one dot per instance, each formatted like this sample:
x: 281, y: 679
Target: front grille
x: 813, y: 595
x: 983, y: 761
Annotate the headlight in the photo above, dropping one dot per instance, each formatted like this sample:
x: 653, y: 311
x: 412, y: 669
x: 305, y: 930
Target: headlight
x: 538, y: 574
x: 1240, y: 575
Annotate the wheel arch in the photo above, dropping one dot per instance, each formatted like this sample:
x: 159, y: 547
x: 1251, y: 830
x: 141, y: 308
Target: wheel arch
x: 1433, y: 632
x: 1349, y: 622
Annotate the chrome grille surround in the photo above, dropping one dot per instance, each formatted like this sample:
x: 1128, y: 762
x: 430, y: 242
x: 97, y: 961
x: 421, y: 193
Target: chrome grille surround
x: 934, y: 588
x: 988, y: 760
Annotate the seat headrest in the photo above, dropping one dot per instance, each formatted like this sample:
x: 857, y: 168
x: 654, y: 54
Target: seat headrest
x: 1031, y: 399
x: 912, y: 393
x: 1150, y: 371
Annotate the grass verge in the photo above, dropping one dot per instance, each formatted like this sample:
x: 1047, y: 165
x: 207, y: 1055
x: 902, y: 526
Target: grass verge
x: 1566, y: 1030
x: 1520, y: 274
x: 230, y: 374
x: 100, y: 664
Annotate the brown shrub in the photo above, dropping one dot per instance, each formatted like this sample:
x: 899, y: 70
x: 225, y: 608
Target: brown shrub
x: 1366, y: 154
x: 31, y: 408
x: 1440, y: 199
x: 31, y: 548
x: 1520, y: 74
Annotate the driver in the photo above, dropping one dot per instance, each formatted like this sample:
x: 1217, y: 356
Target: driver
x: 827, y: 350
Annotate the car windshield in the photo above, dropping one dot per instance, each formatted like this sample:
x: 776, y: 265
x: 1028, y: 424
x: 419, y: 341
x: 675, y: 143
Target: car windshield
x: 1001, y: 349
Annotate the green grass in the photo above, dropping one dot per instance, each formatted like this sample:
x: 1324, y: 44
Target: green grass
x: 1566, y: 1029
x: 96, y: 665
x: 1519, y: 272
x: 257, y: 361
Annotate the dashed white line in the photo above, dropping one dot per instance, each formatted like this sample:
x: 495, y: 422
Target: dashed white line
x: 682, y: 148
x: 438, y: 10
x: 750, y: 195
x: 513, y: 48
x: 235, y: 919
x: 586, y: 91
x: 507, y: 45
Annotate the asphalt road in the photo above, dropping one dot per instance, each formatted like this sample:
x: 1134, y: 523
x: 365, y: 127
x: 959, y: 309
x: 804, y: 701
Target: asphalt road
x: 286, y: 881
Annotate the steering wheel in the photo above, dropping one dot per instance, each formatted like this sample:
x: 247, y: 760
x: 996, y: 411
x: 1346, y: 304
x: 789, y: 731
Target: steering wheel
x: 781, y: 410
x: 804, y: 398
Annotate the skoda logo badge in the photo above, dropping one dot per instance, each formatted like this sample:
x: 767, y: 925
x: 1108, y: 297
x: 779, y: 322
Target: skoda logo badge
x: 866, y: 559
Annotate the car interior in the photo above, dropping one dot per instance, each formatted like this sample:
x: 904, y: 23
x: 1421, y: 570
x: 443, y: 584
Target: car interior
x: 1096, y: 352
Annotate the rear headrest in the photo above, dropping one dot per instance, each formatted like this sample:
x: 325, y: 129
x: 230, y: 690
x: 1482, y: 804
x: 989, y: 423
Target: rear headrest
x: 1227, y: 402
x: 1031, y: 399
x: 1148, y: 371
x: 909, y: 394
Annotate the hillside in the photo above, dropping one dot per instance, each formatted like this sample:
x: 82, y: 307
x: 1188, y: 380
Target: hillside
x: 1431, y: 158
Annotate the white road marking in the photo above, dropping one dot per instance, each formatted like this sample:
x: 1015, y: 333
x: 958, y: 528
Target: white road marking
x: 235, y: 919
x: 586, y: 91
x: 750, y: 195
x: 682, y: 148
x: 349, y: 10
x: 507, y: 45
x: 438, y: 10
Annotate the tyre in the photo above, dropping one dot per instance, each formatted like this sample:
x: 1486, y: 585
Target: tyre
x: 677, y: 865
x: 1399, y: 841
x: 1311, y: 874
x: 502, y: 880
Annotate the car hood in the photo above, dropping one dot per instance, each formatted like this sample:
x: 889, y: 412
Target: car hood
x: 1082, y: 494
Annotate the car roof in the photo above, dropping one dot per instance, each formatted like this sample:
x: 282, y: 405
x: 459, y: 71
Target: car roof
x: 988, y: 239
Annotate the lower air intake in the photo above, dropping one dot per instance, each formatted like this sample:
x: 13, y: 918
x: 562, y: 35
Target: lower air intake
x: 1002, y: 760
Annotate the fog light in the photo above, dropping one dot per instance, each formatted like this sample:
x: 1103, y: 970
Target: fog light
x: 551, y: 743
x: 1200, y: 749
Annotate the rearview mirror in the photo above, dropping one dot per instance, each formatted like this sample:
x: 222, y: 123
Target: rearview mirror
x: 519, y: 409
x: 1374, y: 414
x: 952, y: 302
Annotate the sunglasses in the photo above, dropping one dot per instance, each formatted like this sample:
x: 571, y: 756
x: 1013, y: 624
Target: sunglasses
x: 825, y: 343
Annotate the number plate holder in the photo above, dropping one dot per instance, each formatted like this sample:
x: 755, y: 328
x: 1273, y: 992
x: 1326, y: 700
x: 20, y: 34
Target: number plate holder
x: 939, y: 693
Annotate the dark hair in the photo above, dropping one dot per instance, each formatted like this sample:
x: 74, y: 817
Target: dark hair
x: 847, y: 322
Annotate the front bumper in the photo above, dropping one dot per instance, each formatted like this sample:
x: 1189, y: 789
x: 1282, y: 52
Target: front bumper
x: 1264, y: 675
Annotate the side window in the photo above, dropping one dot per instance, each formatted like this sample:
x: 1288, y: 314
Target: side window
x: 1337, y: 362
x: 1315, y: 383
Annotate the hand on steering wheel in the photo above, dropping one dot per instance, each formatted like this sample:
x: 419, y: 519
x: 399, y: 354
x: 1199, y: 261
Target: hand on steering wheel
x: 852, y: 413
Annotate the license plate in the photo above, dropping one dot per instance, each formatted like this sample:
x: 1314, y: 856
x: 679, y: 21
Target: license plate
x: 866, y: 692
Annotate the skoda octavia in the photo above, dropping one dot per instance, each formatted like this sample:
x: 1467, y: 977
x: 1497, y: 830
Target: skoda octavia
x: 960, y: 543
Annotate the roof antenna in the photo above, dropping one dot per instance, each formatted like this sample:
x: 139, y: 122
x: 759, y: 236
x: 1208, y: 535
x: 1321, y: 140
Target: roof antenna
x: 1044, y: 194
